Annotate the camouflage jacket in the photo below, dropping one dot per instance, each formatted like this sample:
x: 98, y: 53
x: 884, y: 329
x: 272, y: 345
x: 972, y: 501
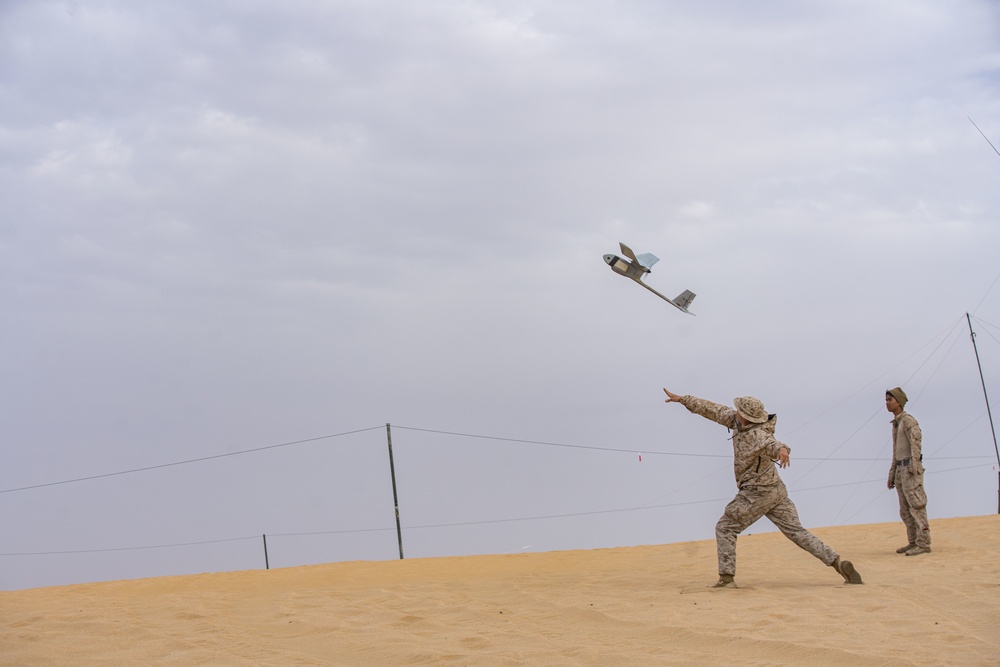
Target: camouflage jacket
x: 907, y: 443
x: 755, y: 448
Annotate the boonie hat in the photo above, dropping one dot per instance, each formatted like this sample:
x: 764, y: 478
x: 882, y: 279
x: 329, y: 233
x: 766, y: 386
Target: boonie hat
x: 898, y: 394
x: 751, y: 408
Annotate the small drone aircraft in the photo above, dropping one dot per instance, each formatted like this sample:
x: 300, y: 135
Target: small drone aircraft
x: 641, y: 265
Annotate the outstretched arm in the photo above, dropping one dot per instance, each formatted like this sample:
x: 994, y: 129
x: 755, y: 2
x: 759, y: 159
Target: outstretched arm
x: 721, y: 414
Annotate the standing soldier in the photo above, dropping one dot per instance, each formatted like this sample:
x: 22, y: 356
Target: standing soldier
x: 761, y: 491
x: 906, y: 475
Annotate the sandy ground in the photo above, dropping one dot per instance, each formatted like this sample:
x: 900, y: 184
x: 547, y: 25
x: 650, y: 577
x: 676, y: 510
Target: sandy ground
x: 646, y: 605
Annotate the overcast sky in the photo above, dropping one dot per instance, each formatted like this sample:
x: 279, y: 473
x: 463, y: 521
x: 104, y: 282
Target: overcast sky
x: 228, y: 226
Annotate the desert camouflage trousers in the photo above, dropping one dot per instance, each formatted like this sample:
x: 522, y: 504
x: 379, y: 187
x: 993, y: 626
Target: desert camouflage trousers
x: 752, y: 503
x: 913, y: 506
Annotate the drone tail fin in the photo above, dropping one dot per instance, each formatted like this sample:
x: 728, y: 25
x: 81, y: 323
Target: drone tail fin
x: 684, y: 299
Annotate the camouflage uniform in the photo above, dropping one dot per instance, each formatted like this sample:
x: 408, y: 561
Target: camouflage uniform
x: 761, y: 491
x: 906, y: 473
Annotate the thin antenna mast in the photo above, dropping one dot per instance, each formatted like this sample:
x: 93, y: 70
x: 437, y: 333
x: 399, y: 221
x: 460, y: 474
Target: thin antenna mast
x: 972, y: 334
x: 395, y: 498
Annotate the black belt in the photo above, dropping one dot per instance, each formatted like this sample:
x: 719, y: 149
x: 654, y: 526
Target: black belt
x: 904, y: 462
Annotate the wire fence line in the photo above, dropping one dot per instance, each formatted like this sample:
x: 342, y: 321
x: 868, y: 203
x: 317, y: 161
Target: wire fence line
x: 644, y: 507
x: 564, y: 515
x: 187, y: 461
x: 645, y: 452
x: 134, y: 548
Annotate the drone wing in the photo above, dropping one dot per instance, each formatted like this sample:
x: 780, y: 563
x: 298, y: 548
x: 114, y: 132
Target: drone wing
x: 645, y: 260
x: 628, y: 252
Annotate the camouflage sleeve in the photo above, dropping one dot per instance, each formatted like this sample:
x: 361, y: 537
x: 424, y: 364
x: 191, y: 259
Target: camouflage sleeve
x: 772, y: 447
x: 721, y: 414
x: 915, y: 438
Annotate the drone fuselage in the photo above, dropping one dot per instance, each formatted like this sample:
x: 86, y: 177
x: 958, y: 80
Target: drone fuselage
x: 626, y: 268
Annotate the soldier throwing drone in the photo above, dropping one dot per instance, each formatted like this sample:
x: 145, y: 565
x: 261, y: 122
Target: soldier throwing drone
x: 761, y: 491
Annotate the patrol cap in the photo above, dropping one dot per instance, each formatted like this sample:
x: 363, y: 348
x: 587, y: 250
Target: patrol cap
x: 751, y: 408
x: 898, y: 394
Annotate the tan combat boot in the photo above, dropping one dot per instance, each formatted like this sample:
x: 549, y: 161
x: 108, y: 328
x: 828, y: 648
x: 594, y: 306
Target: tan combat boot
x: 725, y: 581
x: 846, y: 569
